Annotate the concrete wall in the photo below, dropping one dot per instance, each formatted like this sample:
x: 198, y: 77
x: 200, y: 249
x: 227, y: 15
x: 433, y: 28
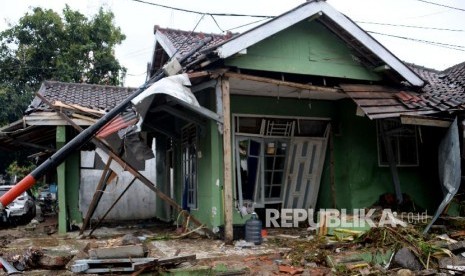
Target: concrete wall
x: 139, y: 202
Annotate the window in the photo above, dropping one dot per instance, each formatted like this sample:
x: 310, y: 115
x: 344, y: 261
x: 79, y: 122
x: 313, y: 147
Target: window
x: 189, y: 165
x: 275, y: 159
x: 261, y: 151
x: 403, y: 140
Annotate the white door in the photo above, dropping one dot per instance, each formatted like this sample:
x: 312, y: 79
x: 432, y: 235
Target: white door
x: 306, y: 159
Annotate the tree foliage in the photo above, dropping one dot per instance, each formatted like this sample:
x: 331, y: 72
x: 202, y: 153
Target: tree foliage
x: 45, y: 45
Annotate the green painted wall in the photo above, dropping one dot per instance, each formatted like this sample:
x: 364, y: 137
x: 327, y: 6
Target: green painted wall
x: 68, y: 185
x: 359, y: 181
x: 305, y: 48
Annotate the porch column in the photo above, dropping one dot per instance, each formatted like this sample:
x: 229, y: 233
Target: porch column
x: 61, y: 182
x: 227, y: 180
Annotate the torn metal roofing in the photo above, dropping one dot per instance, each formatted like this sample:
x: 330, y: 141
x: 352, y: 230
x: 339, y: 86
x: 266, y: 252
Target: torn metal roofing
x: 92, y: 96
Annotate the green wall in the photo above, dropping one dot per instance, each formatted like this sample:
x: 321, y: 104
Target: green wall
x: 359, y: 181
x: 68, y: 184
x: 305, y: 48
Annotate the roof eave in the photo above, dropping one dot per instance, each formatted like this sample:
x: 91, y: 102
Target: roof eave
x: 165, y: 43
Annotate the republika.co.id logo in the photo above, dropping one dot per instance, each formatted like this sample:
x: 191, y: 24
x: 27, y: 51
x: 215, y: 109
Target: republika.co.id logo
x: 341, y: 218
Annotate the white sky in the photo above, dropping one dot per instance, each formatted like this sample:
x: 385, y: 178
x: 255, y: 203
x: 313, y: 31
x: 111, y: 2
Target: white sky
x: 137, y: 21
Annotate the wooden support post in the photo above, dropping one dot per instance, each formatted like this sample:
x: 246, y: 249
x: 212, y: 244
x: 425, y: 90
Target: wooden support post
x: 111, y: 207
x: 227, y: 159
x: 61, y: 182
x: 392, y: 162
x: 332, y: 169
x: 97, y: 195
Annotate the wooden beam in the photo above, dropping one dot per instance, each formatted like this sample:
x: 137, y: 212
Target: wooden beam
x: 227, y: 159
x: 77, y: 107
x: 392, y: 162
x: 424, y: 121
x: 279, y: 82
x: 200, y: 74
x: 102, y: 184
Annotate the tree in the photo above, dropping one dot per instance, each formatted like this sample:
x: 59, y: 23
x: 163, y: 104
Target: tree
x: 46, y: 46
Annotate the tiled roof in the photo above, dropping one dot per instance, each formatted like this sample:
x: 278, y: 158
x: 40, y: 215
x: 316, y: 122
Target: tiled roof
x: 444, y: 90
x: 184, y: 41
x: 97, y: 97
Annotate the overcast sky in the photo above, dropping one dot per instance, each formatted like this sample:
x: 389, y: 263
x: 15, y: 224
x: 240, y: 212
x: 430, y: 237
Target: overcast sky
x: 138, y: 19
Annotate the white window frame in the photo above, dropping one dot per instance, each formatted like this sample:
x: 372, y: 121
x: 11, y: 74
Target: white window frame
x: 397, y: 149
x: 190, y: 165
x: 259, y: 198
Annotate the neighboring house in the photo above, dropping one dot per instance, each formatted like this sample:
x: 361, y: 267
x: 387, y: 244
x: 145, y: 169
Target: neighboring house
x: 42, y: 128
x: 315, y: 106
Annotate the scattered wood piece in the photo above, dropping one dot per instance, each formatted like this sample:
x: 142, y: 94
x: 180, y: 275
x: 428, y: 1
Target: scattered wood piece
x: 290, y: 269
x: 458, y: 234
x: 77, y: 107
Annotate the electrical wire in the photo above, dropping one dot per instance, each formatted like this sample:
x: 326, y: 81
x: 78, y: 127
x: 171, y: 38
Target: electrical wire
x: 439, y: 44
x: 197, y: 12
x: 410, y: 26
x: 247, y: 24
x: 214, y: 20
x: 441, y: 5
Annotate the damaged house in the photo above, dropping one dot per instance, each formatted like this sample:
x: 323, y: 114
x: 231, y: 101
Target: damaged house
x: 304, y: 111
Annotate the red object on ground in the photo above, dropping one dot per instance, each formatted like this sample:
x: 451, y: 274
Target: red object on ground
x: 264, y: 233
x: 17, y: 190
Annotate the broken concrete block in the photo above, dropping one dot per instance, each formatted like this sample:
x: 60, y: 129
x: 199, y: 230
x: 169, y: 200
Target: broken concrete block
x: 457, y: 247
x: 53, y: 259
x: 450, y: 262
x: 243, y: 244
x: 404, y: 272
x: 127, y: 251
x: 130, y: 239
x: 406, y: 259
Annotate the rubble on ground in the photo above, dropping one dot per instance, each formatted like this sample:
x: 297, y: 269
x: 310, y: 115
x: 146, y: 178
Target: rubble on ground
x: 291, y: 251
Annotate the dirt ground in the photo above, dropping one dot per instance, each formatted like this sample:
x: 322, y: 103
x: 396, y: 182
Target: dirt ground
x: 295, y: 251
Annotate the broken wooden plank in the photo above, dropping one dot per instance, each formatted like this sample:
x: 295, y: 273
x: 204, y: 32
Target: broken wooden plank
x: 77, y: 107
x: 166, y: 261
x: 377, y: 102
x: 227, y: 168
x: 371, y: 95
x: 367, y: 88
x: 279, y: 82
x: 384, y: 109
x: 424, y: 121
x: 397, y: 114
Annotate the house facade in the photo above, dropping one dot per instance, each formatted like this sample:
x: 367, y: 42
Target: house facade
x: 305, y: 111
x: 320, y: 115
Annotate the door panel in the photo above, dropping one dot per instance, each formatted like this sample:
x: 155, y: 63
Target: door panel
x: 304, y: 172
